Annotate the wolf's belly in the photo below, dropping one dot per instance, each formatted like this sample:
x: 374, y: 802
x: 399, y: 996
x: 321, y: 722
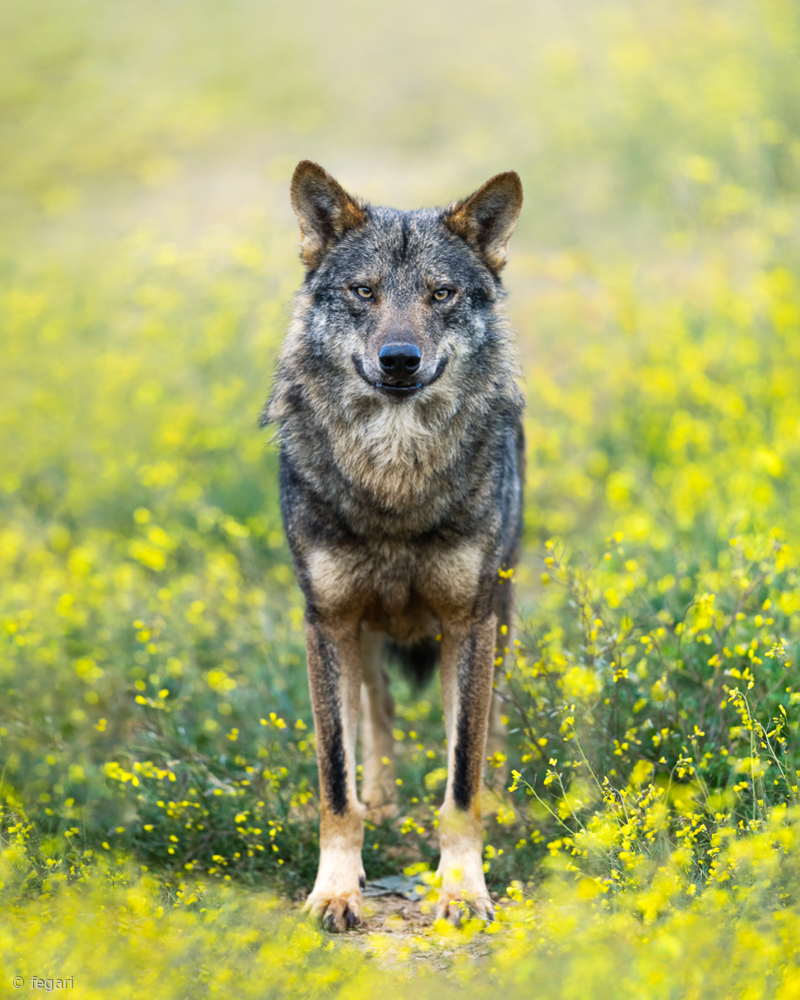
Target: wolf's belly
x: 415, y: 622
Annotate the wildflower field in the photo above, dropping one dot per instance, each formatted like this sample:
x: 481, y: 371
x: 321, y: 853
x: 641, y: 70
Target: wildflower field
x: 158, y: 796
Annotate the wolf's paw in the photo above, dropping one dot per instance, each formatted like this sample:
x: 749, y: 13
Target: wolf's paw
x: 336, y: 913
x: 458, y: 909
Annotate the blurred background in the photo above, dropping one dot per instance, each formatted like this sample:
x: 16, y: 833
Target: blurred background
x: 148, y: 256
x: 622, y: 117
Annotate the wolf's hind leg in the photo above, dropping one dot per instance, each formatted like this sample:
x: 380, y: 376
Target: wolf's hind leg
x: 334, y: 675
x: 467, y: 657
x: 377, y: 742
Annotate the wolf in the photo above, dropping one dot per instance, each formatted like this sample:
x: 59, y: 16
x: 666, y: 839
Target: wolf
x: 401, y: 477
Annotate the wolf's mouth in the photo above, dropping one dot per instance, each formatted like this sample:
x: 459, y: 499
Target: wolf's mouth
x: 397, y: 390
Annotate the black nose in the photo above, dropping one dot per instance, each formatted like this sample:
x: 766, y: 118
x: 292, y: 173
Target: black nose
x: 399, y: 359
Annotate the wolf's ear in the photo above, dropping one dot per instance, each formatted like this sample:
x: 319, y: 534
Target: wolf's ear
x: 325, y: 210
x: 487, y: 218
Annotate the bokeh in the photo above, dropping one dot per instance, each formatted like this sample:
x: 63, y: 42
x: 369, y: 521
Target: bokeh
x: 158, y: 818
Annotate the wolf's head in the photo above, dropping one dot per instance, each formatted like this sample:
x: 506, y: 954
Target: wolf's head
x: 398, y: 297
x: 398, y: 372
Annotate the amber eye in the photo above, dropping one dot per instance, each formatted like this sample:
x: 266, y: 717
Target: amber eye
x: 441, y: 294
x: 363, y: 292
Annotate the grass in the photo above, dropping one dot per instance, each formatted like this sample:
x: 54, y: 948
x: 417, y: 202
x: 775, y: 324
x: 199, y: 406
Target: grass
x: 158, y: 783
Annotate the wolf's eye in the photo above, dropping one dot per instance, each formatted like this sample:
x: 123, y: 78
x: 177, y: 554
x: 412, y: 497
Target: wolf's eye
x: 441, y: 294
x: 363, y: 292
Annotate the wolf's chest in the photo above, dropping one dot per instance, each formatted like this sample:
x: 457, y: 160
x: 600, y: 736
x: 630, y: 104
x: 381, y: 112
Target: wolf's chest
x: 394, y: 457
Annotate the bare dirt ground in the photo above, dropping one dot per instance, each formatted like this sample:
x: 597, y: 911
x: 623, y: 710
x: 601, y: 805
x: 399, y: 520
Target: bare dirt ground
x: 394, y: 915
x: 395, y: 929
x: 401, y: 922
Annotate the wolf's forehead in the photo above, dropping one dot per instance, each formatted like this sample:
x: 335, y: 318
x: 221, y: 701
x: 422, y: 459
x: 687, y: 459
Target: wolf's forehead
x: 410, y: 241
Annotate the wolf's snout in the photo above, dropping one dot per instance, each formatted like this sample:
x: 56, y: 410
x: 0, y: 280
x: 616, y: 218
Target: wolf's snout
x: 399, y: 359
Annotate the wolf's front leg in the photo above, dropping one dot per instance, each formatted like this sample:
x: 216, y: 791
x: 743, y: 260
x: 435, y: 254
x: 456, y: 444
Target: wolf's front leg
x: 467, y: 671
x: 334, y: 674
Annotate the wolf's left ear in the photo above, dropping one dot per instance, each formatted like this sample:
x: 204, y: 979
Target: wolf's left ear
x: 325, y: 210
x: 487, y: 218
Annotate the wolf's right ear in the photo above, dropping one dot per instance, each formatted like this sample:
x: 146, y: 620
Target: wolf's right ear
x: 325, y: 210
x: 487, y: 218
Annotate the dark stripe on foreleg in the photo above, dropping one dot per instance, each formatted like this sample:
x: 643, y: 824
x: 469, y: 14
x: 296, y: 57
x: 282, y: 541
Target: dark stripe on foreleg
x: 467, y: 770
x: 336, y: 776
x: 462, y: 787
x: 330, y: 740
